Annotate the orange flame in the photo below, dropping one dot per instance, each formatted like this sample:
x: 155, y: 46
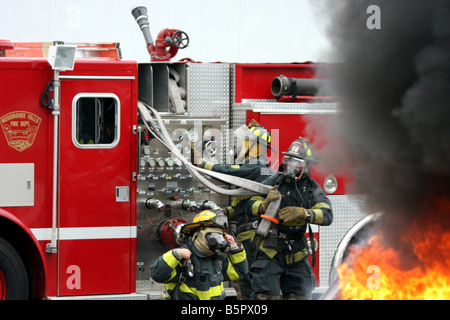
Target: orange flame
x: 377, y: 272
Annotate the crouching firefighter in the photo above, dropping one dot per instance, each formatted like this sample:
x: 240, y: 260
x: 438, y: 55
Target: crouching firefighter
x: 196, y: 270
x: 281, y: 267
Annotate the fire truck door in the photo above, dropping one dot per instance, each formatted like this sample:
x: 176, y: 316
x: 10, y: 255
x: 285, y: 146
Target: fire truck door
x: 95, y: 223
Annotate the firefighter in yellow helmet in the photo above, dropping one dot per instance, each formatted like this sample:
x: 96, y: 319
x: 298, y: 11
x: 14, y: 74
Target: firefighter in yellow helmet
x: 252, y: 163
x: 196, y: 270
x: 281, y: 267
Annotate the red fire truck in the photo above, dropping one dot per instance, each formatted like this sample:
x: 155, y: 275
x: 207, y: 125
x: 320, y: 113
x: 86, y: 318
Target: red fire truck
x: 89, y: 198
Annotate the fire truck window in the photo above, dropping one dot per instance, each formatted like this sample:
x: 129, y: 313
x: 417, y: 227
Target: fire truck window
x: 96, y: 121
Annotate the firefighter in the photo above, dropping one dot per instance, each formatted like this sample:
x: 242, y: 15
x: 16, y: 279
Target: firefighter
x: 251, y: 160
x: 196, y: 270
x: 281, y: 261
x: 251, y: 163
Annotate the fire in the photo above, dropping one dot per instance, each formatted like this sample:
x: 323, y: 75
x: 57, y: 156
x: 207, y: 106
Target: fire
x: 378, y: 272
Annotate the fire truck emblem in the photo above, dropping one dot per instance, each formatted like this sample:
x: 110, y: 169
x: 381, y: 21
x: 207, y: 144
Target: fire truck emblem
x: 295, y: 148
x: 20, y: 129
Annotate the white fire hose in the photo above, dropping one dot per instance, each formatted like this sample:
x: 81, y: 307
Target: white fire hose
x: 246, y: 187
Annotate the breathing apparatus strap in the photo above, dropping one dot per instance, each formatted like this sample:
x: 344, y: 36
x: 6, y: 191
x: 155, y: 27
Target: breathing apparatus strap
x: 276, y: 221
x: 311, y: 237
x: 182, y: 278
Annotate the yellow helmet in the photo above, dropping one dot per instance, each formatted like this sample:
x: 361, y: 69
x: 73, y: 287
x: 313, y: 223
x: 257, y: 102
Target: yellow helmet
x: 261, y: 133
x: 205, y: 215
x: 206, y: 218
x: 253, y: 141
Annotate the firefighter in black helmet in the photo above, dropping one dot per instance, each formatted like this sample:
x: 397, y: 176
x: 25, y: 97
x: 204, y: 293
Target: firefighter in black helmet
x: 251, y: 162
x: 281, y: 256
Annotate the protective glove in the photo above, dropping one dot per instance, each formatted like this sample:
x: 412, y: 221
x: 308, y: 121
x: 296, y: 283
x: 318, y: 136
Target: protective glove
x: 292, y: 215
x: 273, y: 195
x: 182, y: 253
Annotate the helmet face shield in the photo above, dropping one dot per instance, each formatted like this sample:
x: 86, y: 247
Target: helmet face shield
x: 294, y: 168
x: 221, y: 220
x: 293, y: 162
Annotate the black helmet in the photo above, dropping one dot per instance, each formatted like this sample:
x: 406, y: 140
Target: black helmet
x: 301, y: 149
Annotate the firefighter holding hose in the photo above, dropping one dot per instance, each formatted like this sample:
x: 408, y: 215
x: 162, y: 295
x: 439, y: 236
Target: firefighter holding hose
x: 252, y: 163
x: 281, y: 265
x: 251, y: 160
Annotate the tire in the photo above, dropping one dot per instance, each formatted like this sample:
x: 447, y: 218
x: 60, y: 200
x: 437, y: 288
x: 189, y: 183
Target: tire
x: 13, y: 276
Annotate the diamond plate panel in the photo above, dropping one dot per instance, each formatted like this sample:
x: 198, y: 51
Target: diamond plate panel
x: 238, y: 115
x: 209, y: 90
x: 208, y: 93
x: 347, y: 211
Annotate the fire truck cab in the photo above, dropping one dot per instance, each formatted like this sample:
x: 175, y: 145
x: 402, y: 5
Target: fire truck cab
x: 95, y: 214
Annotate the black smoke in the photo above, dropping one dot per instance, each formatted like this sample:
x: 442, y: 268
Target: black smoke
x: 393, y: 87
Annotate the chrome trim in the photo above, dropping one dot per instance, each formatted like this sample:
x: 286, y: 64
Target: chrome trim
x: 97, y: 77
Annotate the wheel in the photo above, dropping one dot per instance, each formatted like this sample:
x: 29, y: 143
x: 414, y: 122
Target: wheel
x: 180, y: 39
x: 356, y: 236
x: 13, y: 276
